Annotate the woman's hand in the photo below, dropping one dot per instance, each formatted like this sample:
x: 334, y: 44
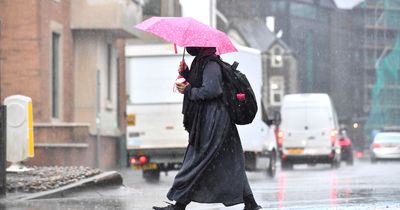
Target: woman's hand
x: 182, y: 66
x: 181, y: 87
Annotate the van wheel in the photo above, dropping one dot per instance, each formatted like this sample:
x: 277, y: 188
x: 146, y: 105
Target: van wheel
x: 151, y: 175
x: 335, y: 163
x: 286, y: 165
x: 271, y: 170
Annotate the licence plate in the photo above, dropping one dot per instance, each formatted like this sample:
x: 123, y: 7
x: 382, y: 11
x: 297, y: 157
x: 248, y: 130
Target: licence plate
x: 147, y: 166
x: 390, y: 145
x: 295, y: 151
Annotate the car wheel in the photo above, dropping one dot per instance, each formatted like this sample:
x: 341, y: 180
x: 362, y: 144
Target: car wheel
x: 286, y: 165
x: 336, y: 163
x: 373, y: 160
x: 151, y: 175
x: 271, y: 170
x: 312, y: 164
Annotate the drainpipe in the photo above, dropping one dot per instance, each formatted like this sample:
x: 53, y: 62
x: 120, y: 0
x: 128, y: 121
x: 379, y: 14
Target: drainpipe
x: 3, y: 150
x: 98, y: 121
x: 1, y: 50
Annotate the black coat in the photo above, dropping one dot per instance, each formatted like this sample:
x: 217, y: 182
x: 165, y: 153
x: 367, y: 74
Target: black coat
x: 213, y: 166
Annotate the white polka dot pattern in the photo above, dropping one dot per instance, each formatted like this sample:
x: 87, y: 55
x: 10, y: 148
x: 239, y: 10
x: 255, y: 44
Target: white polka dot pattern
x: 188, y: 32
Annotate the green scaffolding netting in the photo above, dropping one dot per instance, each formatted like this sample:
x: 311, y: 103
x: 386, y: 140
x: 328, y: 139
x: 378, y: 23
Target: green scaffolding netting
x: 391, y: 13
x: 385, y: 104
x: 385, y: 109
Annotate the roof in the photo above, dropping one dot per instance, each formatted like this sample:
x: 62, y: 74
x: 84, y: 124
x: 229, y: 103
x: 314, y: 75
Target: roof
x: 323, y: 3
x: 330, y: 3
x: 255, y: 34
x: 315, y: 98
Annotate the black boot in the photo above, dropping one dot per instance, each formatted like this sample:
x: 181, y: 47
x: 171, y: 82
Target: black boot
x: 176, y: 206
x: 252, y: 207
x: 250, y: 203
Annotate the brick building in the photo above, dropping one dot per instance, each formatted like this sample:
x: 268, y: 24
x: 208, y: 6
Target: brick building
x: 60, y: 53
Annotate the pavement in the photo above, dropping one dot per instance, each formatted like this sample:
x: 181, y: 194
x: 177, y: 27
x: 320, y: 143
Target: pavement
x: 56, y: 182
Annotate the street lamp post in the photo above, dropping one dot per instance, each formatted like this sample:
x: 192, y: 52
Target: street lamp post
x: 3, y: 129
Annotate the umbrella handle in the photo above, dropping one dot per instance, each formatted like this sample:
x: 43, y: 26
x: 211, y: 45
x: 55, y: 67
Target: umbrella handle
x: 175, y: 49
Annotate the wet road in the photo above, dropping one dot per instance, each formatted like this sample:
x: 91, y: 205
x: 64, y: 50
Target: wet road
x: 362, y: 186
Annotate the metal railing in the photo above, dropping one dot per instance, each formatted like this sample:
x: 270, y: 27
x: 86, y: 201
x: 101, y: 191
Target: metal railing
x: 3, y: 149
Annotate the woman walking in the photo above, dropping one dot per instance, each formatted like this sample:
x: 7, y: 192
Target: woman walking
x: 213, y: 167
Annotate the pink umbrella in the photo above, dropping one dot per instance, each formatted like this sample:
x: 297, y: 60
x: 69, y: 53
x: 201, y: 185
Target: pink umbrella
x: 188, y: 32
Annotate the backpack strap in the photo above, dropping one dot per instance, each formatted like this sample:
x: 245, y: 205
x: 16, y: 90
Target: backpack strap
x: 235, y: 65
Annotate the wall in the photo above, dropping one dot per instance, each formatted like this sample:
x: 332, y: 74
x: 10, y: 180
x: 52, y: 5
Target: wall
x: 26, y: 68
x: 345, y: 80
x: 25, y: 53
x: 17, y: 44
x: 90, y: 56
x: 72, y: 145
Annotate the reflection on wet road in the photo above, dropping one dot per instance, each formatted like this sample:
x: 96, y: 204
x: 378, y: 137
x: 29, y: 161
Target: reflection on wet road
x: 362, y: 186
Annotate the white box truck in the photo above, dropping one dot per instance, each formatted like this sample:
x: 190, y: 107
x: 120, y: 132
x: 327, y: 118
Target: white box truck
x: 156, y: 139
x: 258, y: 138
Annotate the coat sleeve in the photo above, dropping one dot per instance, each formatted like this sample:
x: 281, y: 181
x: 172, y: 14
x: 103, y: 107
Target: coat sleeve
x: 212, y: 84
x: 184, y: 73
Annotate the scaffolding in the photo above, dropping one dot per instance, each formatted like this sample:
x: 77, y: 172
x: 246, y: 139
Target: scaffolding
x: 381, y: 64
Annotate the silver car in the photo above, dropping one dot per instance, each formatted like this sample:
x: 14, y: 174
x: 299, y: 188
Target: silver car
x: 386, y: 146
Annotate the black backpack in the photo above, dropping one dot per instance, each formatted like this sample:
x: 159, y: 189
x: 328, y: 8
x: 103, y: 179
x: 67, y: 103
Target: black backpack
x: 238, y: 94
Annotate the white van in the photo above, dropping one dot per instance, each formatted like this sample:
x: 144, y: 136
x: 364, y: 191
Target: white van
x: 308, y: 133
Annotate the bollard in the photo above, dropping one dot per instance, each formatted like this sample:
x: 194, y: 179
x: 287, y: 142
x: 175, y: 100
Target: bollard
x: 3, y: 149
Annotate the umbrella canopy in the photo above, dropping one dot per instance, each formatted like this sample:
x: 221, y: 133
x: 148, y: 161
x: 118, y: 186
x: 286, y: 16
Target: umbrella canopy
x: 188, y: 32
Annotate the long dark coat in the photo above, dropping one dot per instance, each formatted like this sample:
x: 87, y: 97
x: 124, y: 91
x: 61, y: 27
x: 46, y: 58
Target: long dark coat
x: 213, y: 166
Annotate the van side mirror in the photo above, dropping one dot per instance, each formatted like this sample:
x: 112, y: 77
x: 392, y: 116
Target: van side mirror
x: 277, y: 118
x: 269, y: 122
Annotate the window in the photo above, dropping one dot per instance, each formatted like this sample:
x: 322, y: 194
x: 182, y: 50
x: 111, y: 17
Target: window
x: 278, y: 6
x: 303, y: 10
x: 277, y: 51
x: 109, y: 72
x: 152, y: 8
x: 276, y: 90
x: 55, y: 75
x: 276, y: 58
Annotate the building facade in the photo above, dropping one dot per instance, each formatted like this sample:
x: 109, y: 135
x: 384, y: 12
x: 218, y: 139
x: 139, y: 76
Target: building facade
x: 304, y: 25
x: 278, y: 61
x: 377, y: 31
x: 68, y: 57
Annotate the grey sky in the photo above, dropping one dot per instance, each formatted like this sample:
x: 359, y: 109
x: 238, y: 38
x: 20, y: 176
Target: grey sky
x: 347, y: 4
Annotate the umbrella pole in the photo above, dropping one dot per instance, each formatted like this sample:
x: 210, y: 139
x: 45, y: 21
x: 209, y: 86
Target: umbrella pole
x: 183, y: 56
